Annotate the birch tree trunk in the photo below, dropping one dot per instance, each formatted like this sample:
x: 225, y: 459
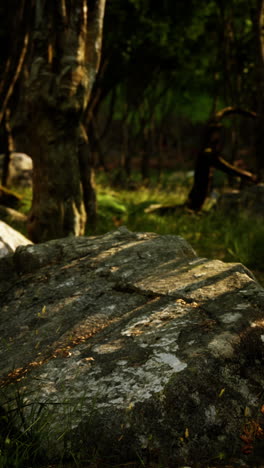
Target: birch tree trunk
x: 66, y: 51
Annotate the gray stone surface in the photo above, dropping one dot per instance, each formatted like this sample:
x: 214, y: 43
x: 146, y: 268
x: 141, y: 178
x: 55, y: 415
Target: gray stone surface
x: 20, y: 169
x: 10, y: 239
x: 130, y: 347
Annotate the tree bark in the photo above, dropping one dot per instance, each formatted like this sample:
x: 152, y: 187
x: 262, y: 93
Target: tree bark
x: 259, y: 27
x: 65, y: 59
x: 145, y: 156
x: 7, y: 146
x: 86, y: 163
x: 17, y: 18
x: 211, y: 157
x: 202, y: 181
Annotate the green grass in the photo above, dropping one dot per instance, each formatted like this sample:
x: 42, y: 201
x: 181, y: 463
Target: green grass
x: 211, y: 233
x: 19, y: 444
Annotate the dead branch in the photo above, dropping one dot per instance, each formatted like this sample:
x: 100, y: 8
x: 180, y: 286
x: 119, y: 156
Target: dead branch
x: 233, y: 110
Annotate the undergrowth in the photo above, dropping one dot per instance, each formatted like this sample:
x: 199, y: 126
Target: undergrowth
x: 212, y: 233
x: 19, y: 443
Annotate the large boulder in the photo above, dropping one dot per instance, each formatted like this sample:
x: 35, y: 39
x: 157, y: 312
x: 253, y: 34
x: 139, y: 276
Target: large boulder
x: 20, y: 169
x: 10, y: 239
x: 127, y: 346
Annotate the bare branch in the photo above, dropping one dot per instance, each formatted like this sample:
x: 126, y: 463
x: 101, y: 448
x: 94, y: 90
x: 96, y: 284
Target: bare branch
x: 233, y: 110
x: 15, y: 77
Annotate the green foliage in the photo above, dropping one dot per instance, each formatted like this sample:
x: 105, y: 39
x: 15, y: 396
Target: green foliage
x: 19, y: 445
x: 110, y: 204
x: 110, y: 211
x: 211, y: 233
x: 197, y: 108
x: 189, y: 53
x: 246, y: 244
x: 24, y: 426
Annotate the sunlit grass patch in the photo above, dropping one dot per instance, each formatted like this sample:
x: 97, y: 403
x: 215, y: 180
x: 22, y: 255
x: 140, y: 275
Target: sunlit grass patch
x: 26, y: 194
x: 211, y: 233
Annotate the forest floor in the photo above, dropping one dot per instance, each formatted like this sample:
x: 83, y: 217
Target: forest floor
x: 140, y: 207
x: 211, y: 233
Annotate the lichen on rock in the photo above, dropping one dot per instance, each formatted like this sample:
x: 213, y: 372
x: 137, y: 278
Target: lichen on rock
x: 130, y: 343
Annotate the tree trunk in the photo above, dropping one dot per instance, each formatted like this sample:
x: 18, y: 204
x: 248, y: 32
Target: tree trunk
x: 65, y: 59
x: 7, y: 146
x: 202, y: 181
x: 211, y: 157
x: 206, y: 162
x: 145, y: 156
x: 57, y: 208
x: 259, y: 27
x: 13, y: 52
x: 86, y: 163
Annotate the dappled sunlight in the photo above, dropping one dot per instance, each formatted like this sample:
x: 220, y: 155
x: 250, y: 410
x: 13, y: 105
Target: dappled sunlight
x: 258, y: 323
x: 122, y: 321
x: 82, y: 297
x: 126, y: 340
x: 211, y: 234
